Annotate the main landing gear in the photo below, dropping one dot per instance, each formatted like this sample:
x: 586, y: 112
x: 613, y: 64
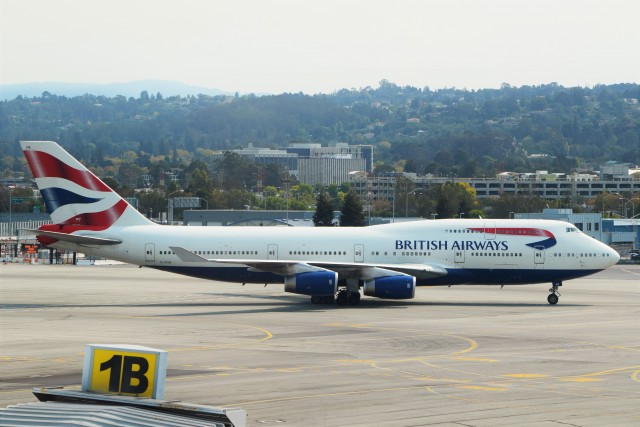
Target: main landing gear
x: 553, y: 296
x: 322, y: 299
x: 343, y: 297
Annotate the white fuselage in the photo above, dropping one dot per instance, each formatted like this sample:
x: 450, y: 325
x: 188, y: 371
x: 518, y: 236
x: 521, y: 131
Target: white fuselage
x: 471, y: 250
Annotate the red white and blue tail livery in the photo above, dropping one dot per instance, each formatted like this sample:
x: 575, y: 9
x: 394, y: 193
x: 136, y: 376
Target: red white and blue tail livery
x: 329, y: 264
x: 75, y: 198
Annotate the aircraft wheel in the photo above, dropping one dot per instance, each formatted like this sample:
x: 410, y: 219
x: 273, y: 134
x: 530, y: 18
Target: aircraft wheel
x: 328, y: 299
x: 342, y: 298
x: 354, y: 298
x: 552, y: 299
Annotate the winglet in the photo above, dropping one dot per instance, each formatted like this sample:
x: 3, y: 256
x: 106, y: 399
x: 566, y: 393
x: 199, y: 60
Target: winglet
x: 187, y: 256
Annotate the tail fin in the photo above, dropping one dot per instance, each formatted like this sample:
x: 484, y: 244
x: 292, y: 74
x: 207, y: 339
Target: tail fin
x: 72, y: 194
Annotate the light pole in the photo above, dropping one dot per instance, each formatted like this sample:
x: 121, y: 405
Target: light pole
x: 206, y: 201
x: 286, y: 182
x: 11, y: 188
x: 633, y: 207
x: 170, y: 207
x: 393, y: 206
x: 406, y: 203
x: 265, y: 197
x: 369, y: 205
x: 621, y: 200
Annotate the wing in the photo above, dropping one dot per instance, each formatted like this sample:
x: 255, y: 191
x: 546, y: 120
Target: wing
x: 344, y: 269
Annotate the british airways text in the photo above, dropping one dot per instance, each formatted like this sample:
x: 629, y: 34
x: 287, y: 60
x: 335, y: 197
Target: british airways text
x: 443, y: 245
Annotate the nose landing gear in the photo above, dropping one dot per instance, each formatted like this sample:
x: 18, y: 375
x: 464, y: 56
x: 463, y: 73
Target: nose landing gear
x: 553, y: 296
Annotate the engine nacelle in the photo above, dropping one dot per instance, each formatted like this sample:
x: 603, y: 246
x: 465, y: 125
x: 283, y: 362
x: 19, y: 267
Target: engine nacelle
x: 312, y: 283
x: 391, y: 287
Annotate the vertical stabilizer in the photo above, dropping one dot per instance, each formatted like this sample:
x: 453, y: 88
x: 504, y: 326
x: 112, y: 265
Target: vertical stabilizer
x: 73, y: 195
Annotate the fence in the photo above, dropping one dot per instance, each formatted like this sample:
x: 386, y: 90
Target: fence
x: 16, y: 228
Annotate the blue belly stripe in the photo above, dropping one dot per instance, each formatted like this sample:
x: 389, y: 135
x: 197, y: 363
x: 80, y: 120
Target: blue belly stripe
x: 455, y: 276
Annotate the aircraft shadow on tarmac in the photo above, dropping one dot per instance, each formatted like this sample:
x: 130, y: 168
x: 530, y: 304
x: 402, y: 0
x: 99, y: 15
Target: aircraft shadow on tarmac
x: 286, y: 304
x: 283, y: 304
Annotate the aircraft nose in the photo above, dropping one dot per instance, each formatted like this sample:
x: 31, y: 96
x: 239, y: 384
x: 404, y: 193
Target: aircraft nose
x: 614, y: 255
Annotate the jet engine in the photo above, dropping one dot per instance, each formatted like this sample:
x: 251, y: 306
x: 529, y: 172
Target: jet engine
x: 312, y: 283
x: 391, y: 287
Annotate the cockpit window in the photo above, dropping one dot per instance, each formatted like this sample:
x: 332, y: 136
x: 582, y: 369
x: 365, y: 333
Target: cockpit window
x: 572, y: 230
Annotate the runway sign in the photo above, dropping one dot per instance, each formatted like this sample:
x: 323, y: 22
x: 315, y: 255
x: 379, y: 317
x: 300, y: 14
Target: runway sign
x: 128, y: 370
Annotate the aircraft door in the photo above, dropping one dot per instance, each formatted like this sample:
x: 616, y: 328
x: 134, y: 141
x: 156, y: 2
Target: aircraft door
x: 538, y: 254
x: 149, y: 252
x: 358, y: 253
x: 459, y: 256
x: 272, y: 252
x: 490, y: 230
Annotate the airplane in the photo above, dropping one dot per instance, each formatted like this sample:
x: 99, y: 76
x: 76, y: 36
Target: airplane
x: 330, y: 264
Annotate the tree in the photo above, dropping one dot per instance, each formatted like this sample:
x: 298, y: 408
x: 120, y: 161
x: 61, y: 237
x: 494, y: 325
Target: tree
x: 608, y: 203
x: 452, y: 198
x: 323, y: 217
x: 273, y: 174
x: 130, y: 175
x: 505, y: 205
x: 23, y: 193
x: 151, y: 202
x: 200, y: 183
x: 122, y: 191
x: 352, y: 213
x: 301, y: 197
x: 237, y: 171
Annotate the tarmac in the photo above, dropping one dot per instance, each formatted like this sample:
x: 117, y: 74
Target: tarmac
x: 465, y: 355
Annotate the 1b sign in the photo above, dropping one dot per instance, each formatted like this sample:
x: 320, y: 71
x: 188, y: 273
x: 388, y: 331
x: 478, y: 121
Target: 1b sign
x: 124, y: 369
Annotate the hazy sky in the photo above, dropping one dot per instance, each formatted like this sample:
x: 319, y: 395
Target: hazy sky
x: 321, y: 45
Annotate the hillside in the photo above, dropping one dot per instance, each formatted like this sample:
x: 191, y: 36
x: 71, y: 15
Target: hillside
x: 447, y: 131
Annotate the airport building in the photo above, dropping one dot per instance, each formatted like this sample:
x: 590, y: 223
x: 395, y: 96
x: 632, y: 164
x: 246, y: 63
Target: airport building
x: 339, y: 150
x: 262, y: 156
x: 620, y: 233
x: 328, y: 170
x: 230, y: 217
x: 613, y: 178
x: 588, y: 223
x: 312, y: 163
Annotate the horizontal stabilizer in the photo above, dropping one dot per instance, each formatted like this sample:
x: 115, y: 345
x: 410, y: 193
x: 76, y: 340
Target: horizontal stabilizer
x: 74, y: 238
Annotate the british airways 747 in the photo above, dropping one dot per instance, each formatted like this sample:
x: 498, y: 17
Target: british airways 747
x: 329, y: 264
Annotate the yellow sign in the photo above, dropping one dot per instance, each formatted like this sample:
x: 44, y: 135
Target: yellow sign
x: 126, y: 370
